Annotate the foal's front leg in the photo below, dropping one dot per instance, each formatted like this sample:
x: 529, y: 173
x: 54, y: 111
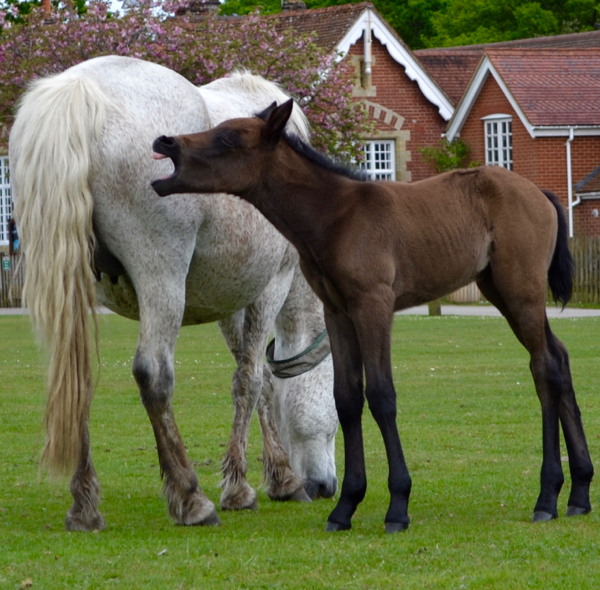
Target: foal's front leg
x: 349, y: 401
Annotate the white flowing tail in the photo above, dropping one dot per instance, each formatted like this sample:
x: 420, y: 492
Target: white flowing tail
x: 58, y: 121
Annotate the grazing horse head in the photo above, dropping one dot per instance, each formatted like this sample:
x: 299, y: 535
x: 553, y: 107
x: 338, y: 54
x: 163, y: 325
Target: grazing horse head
x: 229, y: 158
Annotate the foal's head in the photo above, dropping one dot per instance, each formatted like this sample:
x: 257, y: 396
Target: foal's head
x: 229, y: 158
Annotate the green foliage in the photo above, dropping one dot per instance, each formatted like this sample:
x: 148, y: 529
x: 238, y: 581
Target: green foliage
x: 470, y: 425
x: 240, y: 7
x: 448, y: 155
x: 444, y: 23
x: 463, y: 22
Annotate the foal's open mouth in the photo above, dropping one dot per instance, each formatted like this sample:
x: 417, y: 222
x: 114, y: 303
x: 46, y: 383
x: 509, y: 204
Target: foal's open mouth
x: 165, y: 147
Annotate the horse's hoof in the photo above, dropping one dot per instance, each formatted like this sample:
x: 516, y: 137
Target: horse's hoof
x: 395, y: 527
x: 335, y: 527
x: 211, y: 519
x: 542, y: 516
x: 244, y: 499
x: 577, y: 511
x: 76, y: 523
x: 300, y: 496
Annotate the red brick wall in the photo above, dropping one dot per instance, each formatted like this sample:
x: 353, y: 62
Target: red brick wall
x: 397, y: 92
x: 543, y: 160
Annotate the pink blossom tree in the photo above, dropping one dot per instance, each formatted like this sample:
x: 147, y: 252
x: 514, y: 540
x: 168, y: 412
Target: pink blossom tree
x: 201, y: 51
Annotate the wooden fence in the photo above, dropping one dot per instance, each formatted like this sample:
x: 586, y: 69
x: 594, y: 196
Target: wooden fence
x: 11, y: 280
x: 586, y: 253
x: 586, y: 284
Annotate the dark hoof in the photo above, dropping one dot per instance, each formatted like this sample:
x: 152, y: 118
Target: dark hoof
x: 211, y: 520
x: 395, y: 527
x: 300, y: 496
x: 577, y: 511
x: 335, y: 527
x: 541, y: 516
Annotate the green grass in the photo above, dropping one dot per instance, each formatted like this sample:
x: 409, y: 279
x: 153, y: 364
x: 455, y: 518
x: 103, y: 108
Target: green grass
x: 471, y: 429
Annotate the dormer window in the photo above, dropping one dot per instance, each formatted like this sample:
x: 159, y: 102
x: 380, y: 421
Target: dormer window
x: 498, y: 140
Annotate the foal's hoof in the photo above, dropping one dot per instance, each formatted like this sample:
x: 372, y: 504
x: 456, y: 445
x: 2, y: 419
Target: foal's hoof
x: 395, y: 527
x: 542, y: 516
x: 577, y: 511
x: 335, y: 527
x: 242, y: 497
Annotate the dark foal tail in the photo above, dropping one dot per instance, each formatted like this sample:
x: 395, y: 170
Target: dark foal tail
x: 562, y: 267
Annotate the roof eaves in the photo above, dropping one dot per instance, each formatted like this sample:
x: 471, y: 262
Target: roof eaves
x: 485, y: 68
x: 401, y: 54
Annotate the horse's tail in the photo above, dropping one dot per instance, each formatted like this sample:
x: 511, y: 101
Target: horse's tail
x: 58, y: 121
x: 562, y: 267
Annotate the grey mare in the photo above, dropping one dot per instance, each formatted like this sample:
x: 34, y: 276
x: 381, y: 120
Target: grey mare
x: 94, y: 232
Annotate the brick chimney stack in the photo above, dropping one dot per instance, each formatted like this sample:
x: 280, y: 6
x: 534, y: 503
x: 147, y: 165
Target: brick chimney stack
x: 292, y: 5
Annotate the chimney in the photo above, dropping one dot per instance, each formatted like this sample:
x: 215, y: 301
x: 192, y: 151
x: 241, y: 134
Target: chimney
x: 200, y: 8
x: 292, y: 5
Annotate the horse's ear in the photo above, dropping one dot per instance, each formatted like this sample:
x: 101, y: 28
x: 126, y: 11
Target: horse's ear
x: 277, y: 120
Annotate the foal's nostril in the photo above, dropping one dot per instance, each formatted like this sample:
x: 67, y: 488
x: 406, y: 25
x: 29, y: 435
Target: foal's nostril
x: 166, y: 140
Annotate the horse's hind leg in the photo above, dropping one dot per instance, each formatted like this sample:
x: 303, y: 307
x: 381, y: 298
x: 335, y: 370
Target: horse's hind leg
x: 552, y: 376
x: 153, y: 369
x: 83, y: 514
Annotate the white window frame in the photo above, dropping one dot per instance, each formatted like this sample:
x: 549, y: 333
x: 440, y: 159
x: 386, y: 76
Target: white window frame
x: 380, y: 159
x: 5, y: 200
x: 498, y: 140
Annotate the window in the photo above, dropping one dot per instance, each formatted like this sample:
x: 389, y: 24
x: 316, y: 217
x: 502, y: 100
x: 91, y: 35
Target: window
x: 380, y: 160
x: 5, y: 202
x: 498, y: 141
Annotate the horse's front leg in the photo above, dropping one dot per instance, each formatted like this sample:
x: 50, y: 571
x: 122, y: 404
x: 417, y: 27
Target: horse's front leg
x: 153, y: 369
x: 246, y: 334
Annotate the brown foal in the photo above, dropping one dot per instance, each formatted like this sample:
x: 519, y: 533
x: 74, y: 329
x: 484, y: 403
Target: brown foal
x: 370, y: 248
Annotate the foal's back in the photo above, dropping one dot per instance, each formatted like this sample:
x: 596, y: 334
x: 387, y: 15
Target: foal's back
x: 445, y: 230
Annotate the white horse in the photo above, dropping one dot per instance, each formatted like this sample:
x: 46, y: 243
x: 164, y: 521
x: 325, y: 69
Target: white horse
x: 94, y: 232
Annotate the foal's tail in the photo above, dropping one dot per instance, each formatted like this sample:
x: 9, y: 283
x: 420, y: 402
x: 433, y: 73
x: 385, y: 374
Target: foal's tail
x: 562, y: 267
x: 58, y: 121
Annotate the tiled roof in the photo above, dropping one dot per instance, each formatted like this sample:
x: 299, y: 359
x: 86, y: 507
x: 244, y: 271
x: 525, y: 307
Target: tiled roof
x: 453, y: 67
x: 552, y: 86
x: 451, y: 70
x: 590, y: 184
x: 329, y: 24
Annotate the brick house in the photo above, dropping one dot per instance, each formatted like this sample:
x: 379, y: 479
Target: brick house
x: 409, y: 107
x: 532, y: 106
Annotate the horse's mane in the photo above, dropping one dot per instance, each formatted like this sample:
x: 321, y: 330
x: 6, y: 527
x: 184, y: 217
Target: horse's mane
x: 252, y: 84
x: 321, y: 160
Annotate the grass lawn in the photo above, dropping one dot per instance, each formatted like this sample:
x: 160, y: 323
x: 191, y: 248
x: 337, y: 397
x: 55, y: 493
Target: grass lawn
x: 471, y: 429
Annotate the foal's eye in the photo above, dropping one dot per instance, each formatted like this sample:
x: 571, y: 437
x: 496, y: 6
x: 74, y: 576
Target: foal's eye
x: 228, y: 141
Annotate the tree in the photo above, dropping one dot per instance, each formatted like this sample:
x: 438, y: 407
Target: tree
x: 463, y: 22
x: 321, y: 85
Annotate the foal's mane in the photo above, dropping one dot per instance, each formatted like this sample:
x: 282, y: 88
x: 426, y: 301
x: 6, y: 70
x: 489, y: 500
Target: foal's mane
x: 321, y: 160
x: 307, y: 151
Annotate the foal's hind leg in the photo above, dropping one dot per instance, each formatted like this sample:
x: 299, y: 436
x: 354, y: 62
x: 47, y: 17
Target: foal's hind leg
x: 551, y: 373
x: 153, y: 369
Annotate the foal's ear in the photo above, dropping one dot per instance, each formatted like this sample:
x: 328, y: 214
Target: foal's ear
x: 276, y: 121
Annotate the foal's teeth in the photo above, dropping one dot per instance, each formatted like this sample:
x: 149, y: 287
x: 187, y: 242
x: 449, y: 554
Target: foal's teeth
x: 158, y: 156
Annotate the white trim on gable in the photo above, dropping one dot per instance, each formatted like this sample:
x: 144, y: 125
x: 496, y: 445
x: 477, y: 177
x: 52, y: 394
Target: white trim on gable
x: 400, y: 54
x: 485, y: 69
